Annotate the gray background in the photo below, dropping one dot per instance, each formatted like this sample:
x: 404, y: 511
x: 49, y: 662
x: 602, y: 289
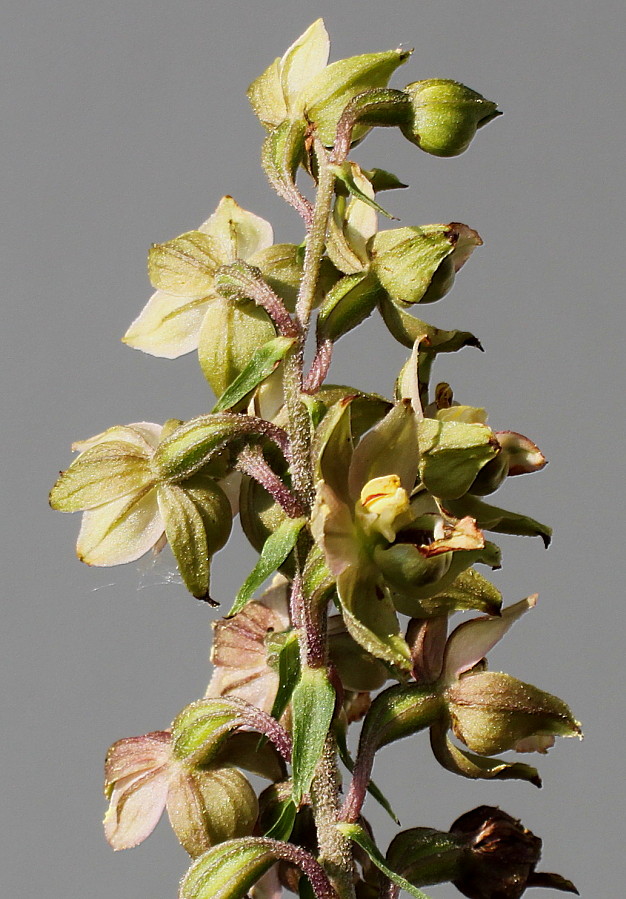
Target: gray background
x: 123, y: 122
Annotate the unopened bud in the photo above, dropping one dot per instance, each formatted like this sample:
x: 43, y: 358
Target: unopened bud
x: 446, y: 115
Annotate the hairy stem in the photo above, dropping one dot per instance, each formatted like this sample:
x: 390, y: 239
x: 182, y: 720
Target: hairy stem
x: 335, y: 848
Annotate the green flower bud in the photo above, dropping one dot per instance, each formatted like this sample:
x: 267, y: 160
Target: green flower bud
x: 446, y: 115
x: 492, y: 712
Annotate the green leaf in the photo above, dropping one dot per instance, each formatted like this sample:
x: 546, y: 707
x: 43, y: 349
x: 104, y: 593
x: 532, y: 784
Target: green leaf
x: 451, y: 455
x: 359, y: 836
x: 288, y: 674
x: 261, y: 365
x: 313, y: 704
x: 345, y: 174
x: 491, y: 518
x: 275, y: 550
x: 282, y: 825
x: 227, y: 871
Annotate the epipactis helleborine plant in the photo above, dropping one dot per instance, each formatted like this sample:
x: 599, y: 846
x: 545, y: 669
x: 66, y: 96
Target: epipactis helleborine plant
x: 368, y: 511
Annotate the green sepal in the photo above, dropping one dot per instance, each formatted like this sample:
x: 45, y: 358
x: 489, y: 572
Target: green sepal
x: 228, y: 870
x: 101, y: 474
x: 406, y: 260
x: 345, y: 175
x: 275, y: 550
x: 325, y: 97
x: 358, y: 669
x: 288, y: 675
x: 492, y: 518
x: 371, y: 619
x: 283, y: 151
x: 372, y: 789
x: 476, y: 767
x: 426, y: 856
x: 197, y: 524
x: 451, y: 455
x: 469, y: 591
x: 489, y: 555
x: 400, y: 711
x: 313, y: 704
x: 333, y: 447
x: 230, y: 335
x: 406, y: 328
x: 352, y: 299
x: 358, y: 835
x: 185, y: 265
x: 265, y: 361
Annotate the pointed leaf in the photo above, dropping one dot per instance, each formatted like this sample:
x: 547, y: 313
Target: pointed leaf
x: 288, y: 675
x: 360, y: 836
x: 313, y: 704
x: 261, y: 365
x: 346, y: 174
x: 406, y: 328
x: 275, y: 550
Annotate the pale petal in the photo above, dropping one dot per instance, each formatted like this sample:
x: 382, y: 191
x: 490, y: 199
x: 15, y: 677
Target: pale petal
x: 120, y: 531
x: 536, y: 743
x: 305, y: 59
x: 471, y: 641
x: 168, y: 326
x: 361, y: 219
x: 136, y: 755
x: 333, y: 529
x: 144, y: 435
x: 237, y: 232
x: 389, y: 448
x: 136, y: 805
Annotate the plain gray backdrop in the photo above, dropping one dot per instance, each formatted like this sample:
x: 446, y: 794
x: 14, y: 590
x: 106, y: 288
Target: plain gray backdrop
x: 124, y: 122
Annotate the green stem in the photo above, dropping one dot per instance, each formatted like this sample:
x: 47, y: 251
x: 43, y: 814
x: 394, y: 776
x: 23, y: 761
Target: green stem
x: 334, y: 848
x: 316, y: 238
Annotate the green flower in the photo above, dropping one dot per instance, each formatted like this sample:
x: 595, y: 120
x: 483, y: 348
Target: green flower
x: 377, y: 539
